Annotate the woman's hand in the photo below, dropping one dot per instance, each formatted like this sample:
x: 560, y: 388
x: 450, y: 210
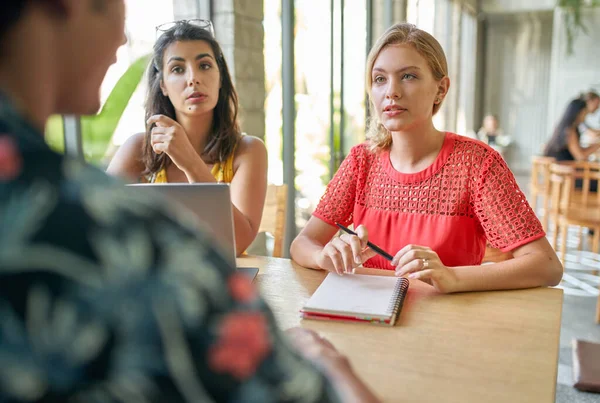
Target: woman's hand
x: 345, y: 253
x: 422, y: 263
x: 167, y: 136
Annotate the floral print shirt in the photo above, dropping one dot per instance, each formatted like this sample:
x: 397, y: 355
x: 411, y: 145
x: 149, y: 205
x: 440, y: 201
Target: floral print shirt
x: 106, y: 297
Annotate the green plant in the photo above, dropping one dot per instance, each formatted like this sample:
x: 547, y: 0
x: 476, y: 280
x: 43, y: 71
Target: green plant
x: 572, y: 18
x: 97, y: 130
x: 55, y: 133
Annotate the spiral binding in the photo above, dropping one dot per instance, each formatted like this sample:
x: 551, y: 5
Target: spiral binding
x: 397, y: 300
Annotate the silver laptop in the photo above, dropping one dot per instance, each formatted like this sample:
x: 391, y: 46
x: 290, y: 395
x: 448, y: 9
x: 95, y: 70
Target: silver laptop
x: 210, y: 203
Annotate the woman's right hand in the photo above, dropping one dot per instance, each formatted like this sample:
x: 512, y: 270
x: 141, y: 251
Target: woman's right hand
x: 345, y: 253
x: 169, y: 137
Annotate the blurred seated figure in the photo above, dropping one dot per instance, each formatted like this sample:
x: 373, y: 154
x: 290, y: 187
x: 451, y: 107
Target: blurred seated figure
x: 590, y: 127
x: 565, y: 143
x: 491, y: 134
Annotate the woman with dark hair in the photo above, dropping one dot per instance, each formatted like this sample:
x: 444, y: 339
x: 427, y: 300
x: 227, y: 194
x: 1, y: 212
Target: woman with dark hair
x: 192, y: 131
x: 564, y: 144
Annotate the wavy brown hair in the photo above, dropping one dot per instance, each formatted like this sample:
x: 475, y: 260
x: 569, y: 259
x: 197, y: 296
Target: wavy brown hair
x: 225, y: 130
x: 427, y: 46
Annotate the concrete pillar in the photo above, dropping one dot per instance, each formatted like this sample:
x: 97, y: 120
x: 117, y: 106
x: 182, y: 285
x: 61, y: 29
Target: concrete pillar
x: 239, y: 30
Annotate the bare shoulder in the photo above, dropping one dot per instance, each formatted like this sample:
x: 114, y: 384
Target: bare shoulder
x: 127, y: 161
x: 252, y: 145
x: 135, y: 142
x: 251, y: 151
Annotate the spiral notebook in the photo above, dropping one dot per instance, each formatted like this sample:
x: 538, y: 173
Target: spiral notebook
x: 357, y: 298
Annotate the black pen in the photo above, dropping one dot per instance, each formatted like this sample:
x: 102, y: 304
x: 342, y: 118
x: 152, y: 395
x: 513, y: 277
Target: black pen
x: 376, y: 248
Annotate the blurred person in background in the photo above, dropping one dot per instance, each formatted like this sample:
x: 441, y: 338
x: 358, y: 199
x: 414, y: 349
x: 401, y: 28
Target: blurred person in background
x: 491, y: 134
x: 591, y: 134
x: 565, y: 143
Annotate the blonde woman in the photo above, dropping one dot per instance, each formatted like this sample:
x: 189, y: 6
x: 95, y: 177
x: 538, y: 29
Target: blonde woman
x: 430, y: 198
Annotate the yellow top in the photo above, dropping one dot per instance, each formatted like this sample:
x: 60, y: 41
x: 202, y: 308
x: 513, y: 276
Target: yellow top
x: 223, y: 172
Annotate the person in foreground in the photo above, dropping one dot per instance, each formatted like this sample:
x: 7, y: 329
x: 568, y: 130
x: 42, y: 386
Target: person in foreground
x: 193, y: 133
x: 105, y: 296
x: 431, y: 199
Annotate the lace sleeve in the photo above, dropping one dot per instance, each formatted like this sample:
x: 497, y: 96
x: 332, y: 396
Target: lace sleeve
x: 337, y: 204
x: 501, y: 207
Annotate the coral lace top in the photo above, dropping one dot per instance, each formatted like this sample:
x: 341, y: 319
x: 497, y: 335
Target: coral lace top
x: 467, y: 197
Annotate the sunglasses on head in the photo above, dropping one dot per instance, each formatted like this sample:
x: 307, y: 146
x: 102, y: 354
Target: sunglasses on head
x: 204, y: 24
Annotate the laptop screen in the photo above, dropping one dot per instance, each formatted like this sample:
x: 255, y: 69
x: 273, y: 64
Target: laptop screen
x: 209, y: 202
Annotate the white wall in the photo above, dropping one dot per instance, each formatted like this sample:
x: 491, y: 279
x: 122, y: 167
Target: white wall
x: 516, y: 6
x: 518, y: 54
x: 570, y: 75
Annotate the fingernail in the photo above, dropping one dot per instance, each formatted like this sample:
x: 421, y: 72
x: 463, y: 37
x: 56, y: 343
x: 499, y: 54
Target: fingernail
x: 412, y: 275
x: 358, y: 260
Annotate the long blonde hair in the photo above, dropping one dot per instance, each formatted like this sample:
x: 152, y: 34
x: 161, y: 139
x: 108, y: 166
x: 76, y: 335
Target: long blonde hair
x: 427, y: 46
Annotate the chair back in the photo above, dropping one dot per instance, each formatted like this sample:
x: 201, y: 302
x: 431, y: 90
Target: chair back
x: 274, y: 216
x: 561, y: 185
x: 540, y: 171
x: 584, y: 174
x: 539, y: 185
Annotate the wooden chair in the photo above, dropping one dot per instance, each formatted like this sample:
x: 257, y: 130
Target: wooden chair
x: 539, y: 186
x: 584, y: 172
x: 565, y: 213
x: 274, y: 217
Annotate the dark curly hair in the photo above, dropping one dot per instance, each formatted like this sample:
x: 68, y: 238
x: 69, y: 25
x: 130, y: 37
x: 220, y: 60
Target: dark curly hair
x: 225, y: 131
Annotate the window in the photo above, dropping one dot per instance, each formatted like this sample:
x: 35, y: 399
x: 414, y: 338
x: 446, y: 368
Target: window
x: 314, y: 88
x: 140, y: 28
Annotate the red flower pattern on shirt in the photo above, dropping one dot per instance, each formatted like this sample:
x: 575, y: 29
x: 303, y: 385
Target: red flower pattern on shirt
x: 243, y: 344
x: 10, y: 159
x: 241, y: 288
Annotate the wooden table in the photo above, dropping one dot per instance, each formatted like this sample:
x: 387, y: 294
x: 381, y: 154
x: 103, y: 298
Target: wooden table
x: 473, y: 347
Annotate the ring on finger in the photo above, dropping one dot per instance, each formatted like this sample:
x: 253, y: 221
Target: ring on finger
x: 425, y: 263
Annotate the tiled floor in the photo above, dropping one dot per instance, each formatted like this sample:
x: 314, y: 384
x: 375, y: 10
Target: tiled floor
x: 577, y: 322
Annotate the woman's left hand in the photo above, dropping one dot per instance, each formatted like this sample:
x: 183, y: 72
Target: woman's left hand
x: 422, y: 263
